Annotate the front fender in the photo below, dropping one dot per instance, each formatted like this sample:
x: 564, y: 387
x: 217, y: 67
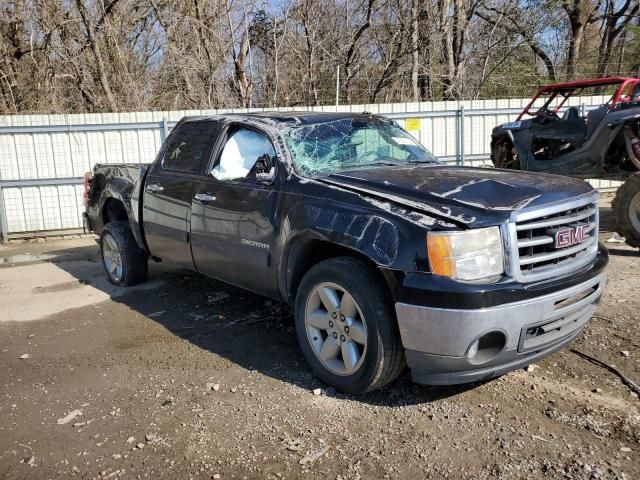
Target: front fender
x: 389, y: 237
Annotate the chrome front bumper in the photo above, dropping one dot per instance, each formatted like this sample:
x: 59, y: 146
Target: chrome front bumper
x: 437, y: 341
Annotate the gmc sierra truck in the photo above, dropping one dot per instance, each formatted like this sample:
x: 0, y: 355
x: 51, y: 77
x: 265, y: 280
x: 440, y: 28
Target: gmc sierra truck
x: 387, y: 257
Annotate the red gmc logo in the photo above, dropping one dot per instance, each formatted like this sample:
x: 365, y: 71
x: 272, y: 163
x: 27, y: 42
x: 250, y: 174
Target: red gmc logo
x: 568, y: 236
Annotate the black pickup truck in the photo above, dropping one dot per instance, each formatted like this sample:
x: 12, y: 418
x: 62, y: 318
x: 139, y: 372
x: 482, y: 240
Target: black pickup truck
x: 386, y: 256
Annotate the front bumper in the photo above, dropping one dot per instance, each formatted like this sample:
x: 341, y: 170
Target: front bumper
x: 438, y: 341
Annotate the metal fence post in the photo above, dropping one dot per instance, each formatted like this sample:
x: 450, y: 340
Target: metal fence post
x: 165, y: 129
x: 4, y: 228
x: 460, y: 159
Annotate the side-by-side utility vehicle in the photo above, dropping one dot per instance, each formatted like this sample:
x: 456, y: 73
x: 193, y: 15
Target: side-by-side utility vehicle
x: 386, y: 256
x: 603, y: 142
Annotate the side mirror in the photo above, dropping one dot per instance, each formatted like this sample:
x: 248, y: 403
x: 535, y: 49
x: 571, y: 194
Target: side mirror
x: 266, y: 177
x: 265, y: 169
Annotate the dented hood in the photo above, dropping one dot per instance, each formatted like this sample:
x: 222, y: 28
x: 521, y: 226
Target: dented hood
x: 467, y: 196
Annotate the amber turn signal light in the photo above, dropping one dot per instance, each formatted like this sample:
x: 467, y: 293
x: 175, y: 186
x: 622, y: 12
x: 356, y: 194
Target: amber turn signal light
x: 440, y: 255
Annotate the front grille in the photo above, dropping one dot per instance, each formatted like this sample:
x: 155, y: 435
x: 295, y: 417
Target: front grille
x: 532, y: 245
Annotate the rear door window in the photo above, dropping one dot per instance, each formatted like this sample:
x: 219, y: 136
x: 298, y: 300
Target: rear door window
x: 190, y: 147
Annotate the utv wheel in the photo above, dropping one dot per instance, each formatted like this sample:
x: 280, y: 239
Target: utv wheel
x: 346, y: 326
x: 125, y: 263
x: 506, y: 156
x: 626, y: 210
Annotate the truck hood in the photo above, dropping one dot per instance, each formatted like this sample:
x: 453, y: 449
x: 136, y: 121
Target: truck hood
x: 466, y: 196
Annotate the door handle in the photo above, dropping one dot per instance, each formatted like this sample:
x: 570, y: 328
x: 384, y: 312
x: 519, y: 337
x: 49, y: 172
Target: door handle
x: 155, y: 188
x: 204, y: 197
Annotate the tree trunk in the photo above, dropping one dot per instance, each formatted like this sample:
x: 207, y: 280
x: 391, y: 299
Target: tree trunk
x: 415, y: 50
x: 242, y: 80
x: 448, y: 62
x: 350, y: 57
x: 97, y: 54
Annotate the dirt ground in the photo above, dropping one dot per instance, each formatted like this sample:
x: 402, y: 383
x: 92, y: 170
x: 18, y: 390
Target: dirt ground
x: 185, y: 377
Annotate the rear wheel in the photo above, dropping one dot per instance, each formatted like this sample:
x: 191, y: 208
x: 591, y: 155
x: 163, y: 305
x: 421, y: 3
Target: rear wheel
x: 125, y: 263
x: 626, y: 210
x: 346, y: 327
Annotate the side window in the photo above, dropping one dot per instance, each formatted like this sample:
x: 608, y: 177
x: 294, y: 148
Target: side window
x: 190, y: 148
x: 244, y: 149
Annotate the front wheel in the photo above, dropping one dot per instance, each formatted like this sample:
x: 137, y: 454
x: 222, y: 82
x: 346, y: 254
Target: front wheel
x: 126, y: 264
x: 626, y: 210
x: 505, y: 155
x: 346, y: 327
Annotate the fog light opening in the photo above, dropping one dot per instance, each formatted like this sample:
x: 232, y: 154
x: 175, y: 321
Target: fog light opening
x: 486, y: 347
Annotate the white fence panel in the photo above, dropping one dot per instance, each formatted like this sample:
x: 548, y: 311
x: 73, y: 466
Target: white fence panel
x: 43, y: 157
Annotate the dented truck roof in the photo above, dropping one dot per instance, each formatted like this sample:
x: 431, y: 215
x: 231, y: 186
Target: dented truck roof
x: 289, y: 118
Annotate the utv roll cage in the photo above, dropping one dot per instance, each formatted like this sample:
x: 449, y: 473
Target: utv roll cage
x: 627, y: 93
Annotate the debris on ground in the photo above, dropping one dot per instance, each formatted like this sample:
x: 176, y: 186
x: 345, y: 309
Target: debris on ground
x: 615, y: 238
x: 295, y: 446
x: 627, y: 381
x: 312, y: 457
x: 70, y: 416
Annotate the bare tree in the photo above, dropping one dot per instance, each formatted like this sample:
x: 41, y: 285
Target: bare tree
x: 614, y: 23
x: 119, y: 55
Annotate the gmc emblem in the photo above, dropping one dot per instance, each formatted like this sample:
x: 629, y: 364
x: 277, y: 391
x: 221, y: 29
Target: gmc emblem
x: 568, y: 236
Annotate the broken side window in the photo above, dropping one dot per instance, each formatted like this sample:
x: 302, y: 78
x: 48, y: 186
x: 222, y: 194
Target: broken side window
x: 241, y: 153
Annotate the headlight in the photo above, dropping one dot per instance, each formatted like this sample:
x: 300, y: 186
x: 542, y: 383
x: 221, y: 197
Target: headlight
x: 469, y: 255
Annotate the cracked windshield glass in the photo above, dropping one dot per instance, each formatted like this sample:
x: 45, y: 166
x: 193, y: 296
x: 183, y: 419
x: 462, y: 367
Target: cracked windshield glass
x: 324, y: 148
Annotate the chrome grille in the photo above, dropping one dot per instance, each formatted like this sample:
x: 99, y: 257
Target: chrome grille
x: 531, y: 245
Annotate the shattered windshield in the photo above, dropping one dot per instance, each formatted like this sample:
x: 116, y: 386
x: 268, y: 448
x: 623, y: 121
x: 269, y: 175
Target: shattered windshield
x: 347, y: 144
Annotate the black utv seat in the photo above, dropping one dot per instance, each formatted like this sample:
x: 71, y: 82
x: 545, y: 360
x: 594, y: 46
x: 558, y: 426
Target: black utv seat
x: 571, y: 113
x: 571, y: 129
x: 595, y: 117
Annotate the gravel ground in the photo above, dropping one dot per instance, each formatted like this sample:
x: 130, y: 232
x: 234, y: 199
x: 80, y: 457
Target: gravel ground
x: 190, y: 378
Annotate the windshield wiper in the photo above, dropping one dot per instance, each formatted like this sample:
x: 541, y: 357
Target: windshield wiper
x: 413, y: 162
x: 377, y: 162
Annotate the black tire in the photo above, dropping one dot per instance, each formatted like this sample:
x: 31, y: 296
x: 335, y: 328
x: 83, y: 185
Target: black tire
x: 384, y: 355
x: 133, y: 259
x: 506, y: 156
x: 626, y: 210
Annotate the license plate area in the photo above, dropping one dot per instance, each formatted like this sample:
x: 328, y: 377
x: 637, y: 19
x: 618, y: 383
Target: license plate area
x: 535, y: 337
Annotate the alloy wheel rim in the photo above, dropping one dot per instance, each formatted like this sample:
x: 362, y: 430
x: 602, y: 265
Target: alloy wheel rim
x: 112, y: 258
x: 634, y: 212
x: 336, y: 328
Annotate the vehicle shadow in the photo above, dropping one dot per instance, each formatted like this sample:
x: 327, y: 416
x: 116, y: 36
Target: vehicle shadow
x: 247, y: 329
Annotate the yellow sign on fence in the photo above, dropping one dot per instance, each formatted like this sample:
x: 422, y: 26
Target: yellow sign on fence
x: 412, y: 124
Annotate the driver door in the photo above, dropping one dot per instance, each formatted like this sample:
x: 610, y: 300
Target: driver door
x: 234, y: 213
